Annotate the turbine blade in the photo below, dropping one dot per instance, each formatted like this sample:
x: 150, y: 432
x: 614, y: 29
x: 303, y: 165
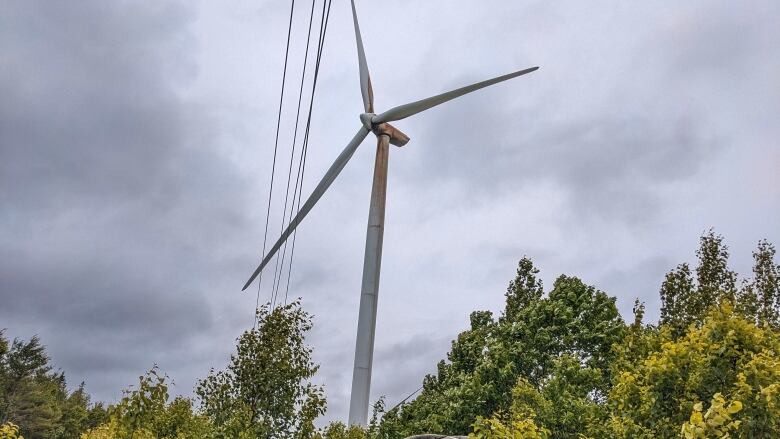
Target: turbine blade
x: 365, y: 79
x: 324, y: 184
x: 404, y: 111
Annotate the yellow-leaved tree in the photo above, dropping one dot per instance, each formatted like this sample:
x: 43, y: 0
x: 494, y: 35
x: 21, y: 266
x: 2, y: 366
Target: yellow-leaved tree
x: 513, y: 429
x: 718, y: 379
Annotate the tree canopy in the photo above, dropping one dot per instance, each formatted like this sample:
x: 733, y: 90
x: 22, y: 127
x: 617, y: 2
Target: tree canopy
x: 34, y: 400
x: 265, y: 391
x: 565, y: 365
x: 557, y: 363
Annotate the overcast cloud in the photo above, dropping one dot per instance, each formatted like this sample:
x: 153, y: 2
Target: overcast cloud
x: 136, y: 140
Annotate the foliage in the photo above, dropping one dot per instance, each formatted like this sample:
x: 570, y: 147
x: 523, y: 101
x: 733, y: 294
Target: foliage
x: 525, y: 289
x: 37, y: 399
x: 566, y: 366
x: 715, y: 280
x: 685, y: 302
x: 678, y: 299
x: 729, y: 367
x: 540, y: 341
x: 265, y: 391
x: 716, y: 422
x: 760, y: 297
x: 556, y: 365
x: 146, y: 413
x: 337, y: 430
x: 728, y: 355
x: 9, y: 430
x: 517, y: 429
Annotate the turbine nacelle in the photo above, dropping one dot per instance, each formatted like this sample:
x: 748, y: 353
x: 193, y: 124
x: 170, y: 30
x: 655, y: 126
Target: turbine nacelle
x: 397, y: 137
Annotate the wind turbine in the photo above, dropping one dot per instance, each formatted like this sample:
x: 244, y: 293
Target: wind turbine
x: 386, y: 134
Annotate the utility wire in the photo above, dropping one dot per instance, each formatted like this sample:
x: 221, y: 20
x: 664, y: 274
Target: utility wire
x: 301, y: 161
x: 305, y: 150
x: 324, y: 18
x: 405, y: 399
x: 276, y: 147
x: 279, y: 268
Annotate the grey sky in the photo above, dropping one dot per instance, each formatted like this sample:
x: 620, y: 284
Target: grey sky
x: 136, y: 139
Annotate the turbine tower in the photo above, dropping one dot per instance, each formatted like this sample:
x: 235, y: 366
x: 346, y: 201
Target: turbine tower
x: 386, y: 135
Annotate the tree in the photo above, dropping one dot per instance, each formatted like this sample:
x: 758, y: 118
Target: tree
x: 715, y: 280
x: 265, y: 391
x: 718, y: 380
x: 685, y: 302
x: 37, y: 399
x: 540, y: 341
x: 467, y: 350
x: 145, y: 413
x: 523, y: 290
x: 727, y: 357
x: 35, y: 406
x: 566, y: 366
x: 677, y: 294
x: 760, y: 297
x: 28, y: 395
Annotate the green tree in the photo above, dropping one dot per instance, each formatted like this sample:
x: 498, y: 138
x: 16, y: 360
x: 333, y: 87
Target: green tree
x: 715, y: 280
x: 23, y: 367
x: 539, y: 341
x: 265, y: 391
x: 525, y: 289
x: 35, y: 406
x: 37, y: 399
x: 467, y: 350
x: 566, y: 366
x: 145, y: 413
x: 760, y: 297
x: 677, y: 294
x: 75, y: 413
x: 685, y: 302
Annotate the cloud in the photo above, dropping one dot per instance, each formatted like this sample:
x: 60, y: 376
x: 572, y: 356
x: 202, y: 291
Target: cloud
x: 120, y: 200
x: 136, y: 141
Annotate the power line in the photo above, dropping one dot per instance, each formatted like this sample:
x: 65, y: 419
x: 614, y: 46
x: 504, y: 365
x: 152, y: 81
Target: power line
x: 279, y: 268
x: 276, y: 147
x: 298, y: 187
x: 405, y: 399
x: 305, y: 150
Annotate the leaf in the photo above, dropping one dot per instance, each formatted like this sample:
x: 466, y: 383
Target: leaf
x: 734, y: 407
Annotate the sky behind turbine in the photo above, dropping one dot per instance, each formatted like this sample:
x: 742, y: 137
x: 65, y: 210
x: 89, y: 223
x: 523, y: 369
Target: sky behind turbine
x: 136, y: 140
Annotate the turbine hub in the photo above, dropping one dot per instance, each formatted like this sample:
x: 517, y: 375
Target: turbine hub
x: 397, y: 137
x: 365, y: 118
